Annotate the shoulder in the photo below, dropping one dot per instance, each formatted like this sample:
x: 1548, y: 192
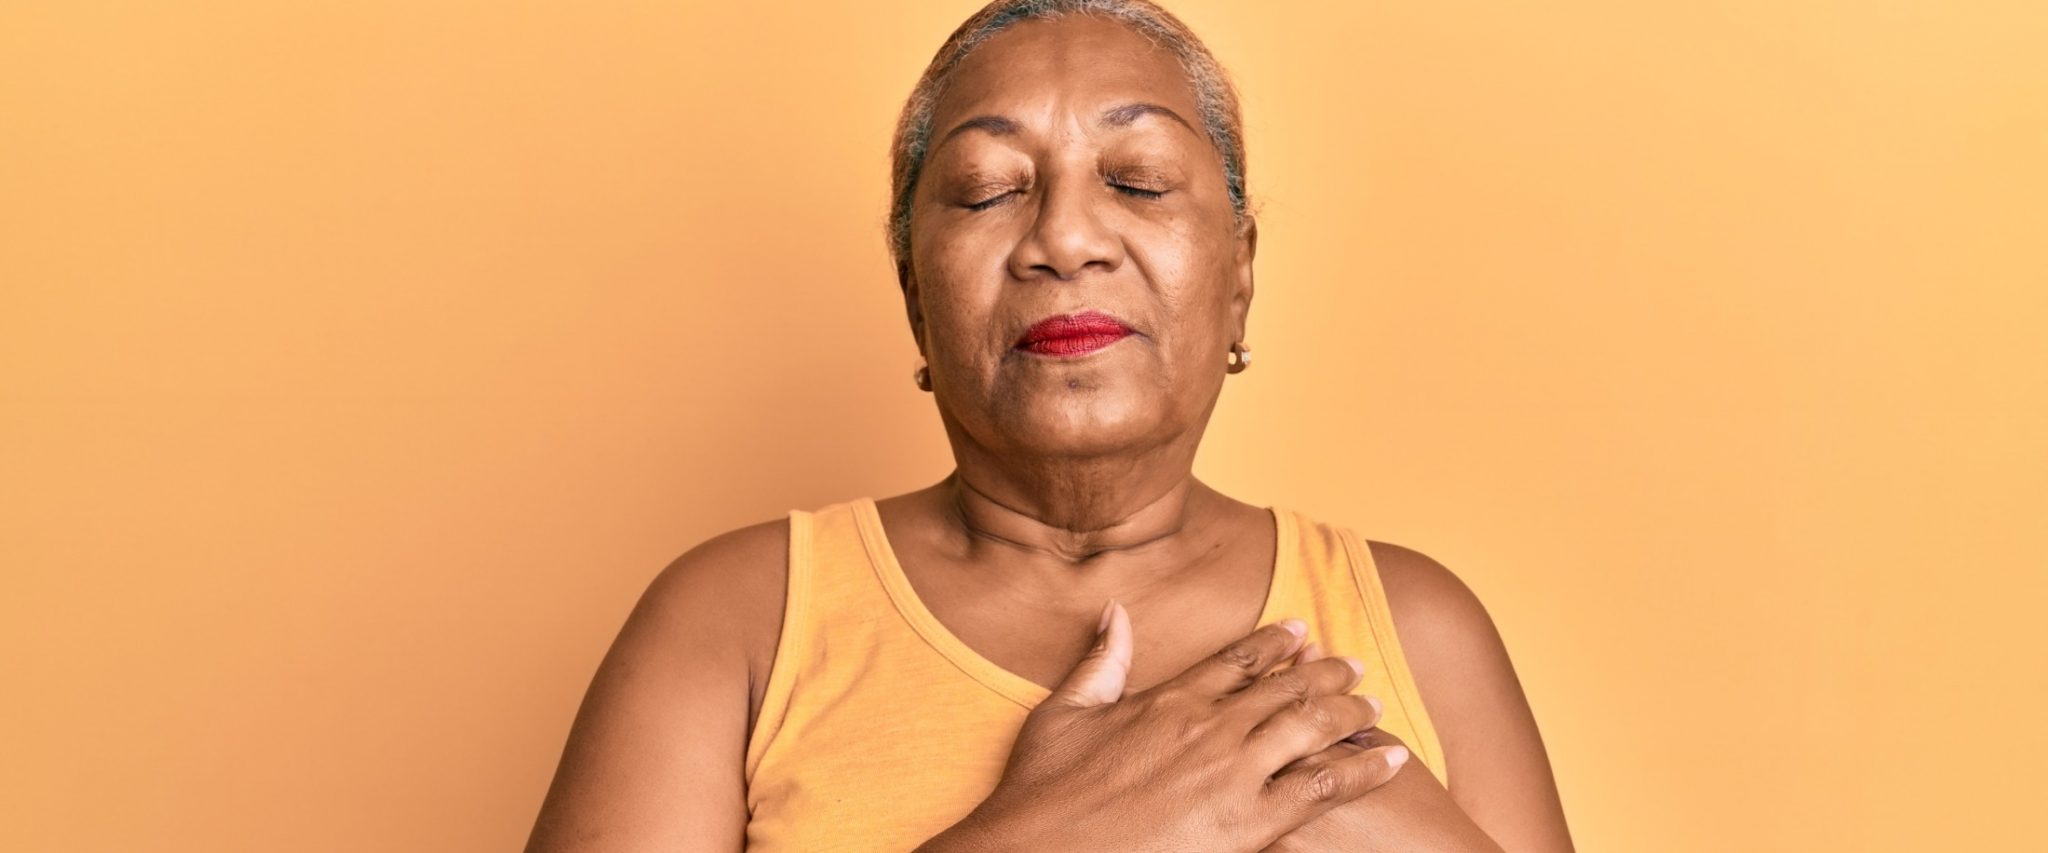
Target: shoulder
x: 743, y: 560
x: 1437, y: 615
x: 1475, y: 701
x: 653, y: 755
x: 731, y: 585
x: 1451, y: 644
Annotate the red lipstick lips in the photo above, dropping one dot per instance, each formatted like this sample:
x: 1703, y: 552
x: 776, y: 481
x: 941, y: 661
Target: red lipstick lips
x: 1073, y: 334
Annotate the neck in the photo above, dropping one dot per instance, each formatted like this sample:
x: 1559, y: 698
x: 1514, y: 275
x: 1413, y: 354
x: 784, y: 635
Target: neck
x: 1080, y: 510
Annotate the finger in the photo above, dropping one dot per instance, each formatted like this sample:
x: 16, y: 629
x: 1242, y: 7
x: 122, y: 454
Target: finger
x: 1325, y: 677
x: 1337, y: 750
x: 1310, y: 653
x: 1311, y: 725
x: 1352, y: 745
x: 1300, y: 795
x: 1242, y: 662
x: 1098, y: 678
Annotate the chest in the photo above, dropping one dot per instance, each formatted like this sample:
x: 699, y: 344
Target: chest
x: 893, y: 712
x: 1038, y: 635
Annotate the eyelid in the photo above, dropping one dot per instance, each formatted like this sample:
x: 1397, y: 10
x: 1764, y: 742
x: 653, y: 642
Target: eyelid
x: 1127, y: 180
x: 981, y: 183
x: 989, y: 202
x: 1143, y: 175
x: 1144, y: 182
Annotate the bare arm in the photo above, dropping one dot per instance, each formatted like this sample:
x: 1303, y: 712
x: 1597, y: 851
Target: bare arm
x: 655, y: 760
x: 1501, y: 775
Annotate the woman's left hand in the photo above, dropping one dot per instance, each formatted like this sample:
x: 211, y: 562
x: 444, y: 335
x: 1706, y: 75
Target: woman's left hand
x: 1411, y: 812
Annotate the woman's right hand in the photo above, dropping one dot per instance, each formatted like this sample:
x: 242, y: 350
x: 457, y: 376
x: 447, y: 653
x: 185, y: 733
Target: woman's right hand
x: 1189, y: 764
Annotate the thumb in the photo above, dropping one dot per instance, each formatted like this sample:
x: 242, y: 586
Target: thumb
x: 1098, y: 679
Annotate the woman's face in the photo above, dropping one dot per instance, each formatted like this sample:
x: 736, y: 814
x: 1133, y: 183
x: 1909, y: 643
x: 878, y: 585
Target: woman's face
x: 1051, y: 188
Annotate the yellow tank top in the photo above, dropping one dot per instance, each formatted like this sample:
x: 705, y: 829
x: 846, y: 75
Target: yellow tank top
x: 880, y: 728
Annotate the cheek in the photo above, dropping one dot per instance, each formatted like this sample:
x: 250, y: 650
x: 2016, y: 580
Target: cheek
x: 969, y: 274
x: 959, y: 309
x: 1194, y: 293
x: 1184, y: 253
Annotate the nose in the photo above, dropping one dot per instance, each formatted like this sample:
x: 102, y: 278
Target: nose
x: 1069, y: 232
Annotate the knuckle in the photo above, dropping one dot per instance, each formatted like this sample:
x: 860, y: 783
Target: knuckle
x: 1240, y: 656
x: 1313, y: 714
x: 1289, y: 682
x: 1323, y: 784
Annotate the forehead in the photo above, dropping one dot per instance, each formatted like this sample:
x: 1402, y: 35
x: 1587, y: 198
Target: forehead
x: 1036, y: 69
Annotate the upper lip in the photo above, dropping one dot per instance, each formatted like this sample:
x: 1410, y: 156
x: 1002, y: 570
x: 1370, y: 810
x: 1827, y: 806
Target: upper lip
x: 1073, y: 326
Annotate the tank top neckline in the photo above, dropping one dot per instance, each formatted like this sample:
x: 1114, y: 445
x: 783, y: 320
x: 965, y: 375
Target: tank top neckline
x: 882, y: 556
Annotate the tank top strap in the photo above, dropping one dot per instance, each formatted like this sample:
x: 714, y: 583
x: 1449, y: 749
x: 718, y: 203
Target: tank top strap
x: 866, y: 730
x: 853, y: 631
x: 1339, y: 591
x: 793, y: 644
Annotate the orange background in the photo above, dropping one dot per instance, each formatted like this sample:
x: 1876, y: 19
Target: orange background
x: 362, y: 361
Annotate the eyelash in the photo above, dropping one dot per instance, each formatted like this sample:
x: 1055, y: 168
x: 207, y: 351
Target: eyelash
x: 1148, y: 195
x: 1134, y: 191
x: 984, y: 205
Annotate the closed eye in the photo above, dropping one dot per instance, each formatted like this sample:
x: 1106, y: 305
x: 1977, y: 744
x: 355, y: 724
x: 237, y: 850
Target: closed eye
x: 990, y: 202
x: 1134, y: 192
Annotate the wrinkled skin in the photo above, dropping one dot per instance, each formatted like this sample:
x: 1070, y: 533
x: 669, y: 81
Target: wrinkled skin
x: 1070, y: 223
x: 1057, y: 195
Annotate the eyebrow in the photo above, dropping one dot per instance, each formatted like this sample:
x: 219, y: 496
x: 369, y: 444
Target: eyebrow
x: 1114, y: 117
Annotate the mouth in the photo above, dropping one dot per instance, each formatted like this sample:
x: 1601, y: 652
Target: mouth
x: 1073, y: 334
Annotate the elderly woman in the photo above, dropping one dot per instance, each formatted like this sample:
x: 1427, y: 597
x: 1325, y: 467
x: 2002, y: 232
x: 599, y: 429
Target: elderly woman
x: 1069, y: 643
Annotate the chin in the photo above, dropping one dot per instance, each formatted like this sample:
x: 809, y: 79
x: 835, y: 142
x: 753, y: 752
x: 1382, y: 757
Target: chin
x: 1084, y: 428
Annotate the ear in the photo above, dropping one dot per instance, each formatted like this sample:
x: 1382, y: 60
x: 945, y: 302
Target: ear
x: 907, y: 280
x: 1247, y: 247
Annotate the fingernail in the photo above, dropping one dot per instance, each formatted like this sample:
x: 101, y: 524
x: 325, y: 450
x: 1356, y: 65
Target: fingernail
x: 1295, y: 626
x: 1397, y: 756
x: 1357, y: 666
x: 1102, y: 624
x: 1374, y: 701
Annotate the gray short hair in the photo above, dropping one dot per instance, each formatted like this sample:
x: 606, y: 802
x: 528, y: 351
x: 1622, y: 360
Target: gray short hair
x: 1215, y: 97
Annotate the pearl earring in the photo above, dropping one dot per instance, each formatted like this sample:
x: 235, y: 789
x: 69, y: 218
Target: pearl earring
x: 1240, y: 357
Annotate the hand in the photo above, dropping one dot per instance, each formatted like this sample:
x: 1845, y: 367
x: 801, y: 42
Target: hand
x: 1194, y: 763
x: 1411, y: 812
